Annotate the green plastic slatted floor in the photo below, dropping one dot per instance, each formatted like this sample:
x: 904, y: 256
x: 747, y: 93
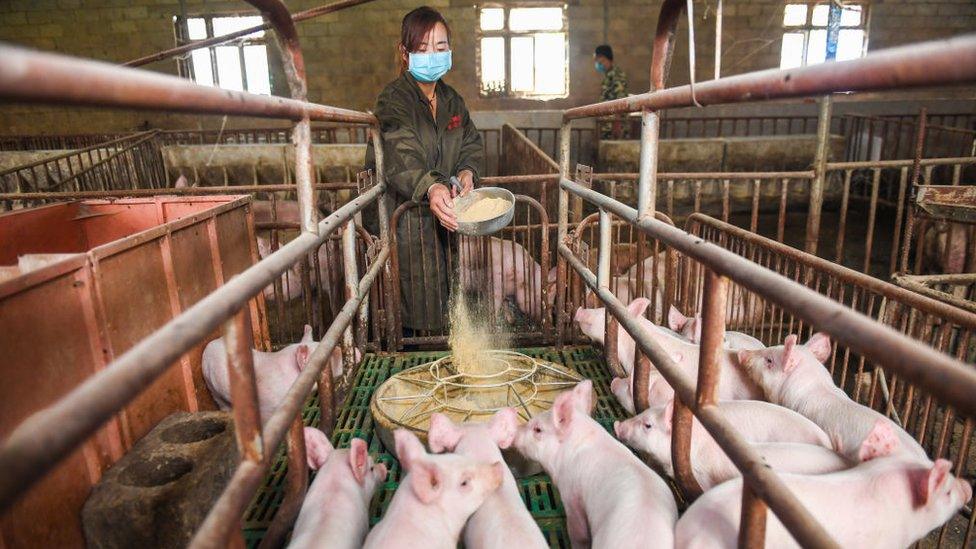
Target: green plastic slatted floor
x: 354, y: 420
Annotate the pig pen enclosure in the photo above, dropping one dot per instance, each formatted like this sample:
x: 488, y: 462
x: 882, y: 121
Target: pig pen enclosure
x: 767, y: 253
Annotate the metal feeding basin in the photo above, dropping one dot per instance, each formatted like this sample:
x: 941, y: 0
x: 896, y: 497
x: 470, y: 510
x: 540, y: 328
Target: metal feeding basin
x: 485, y: 226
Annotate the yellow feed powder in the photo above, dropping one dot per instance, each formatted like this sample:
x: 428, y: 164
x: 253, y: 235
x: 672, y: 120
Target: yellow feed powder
x: 483, y: 209
x: 472, y: 338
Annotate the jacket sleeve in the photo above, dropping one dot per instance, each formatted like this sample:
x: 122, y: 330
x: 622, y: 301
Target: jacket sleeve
x: 404, y: 155
x: 472, y: 153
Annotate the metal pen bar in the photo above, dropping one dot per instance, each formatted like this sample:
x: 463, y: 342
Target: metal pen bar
x: 936, y: 372
x: 804, y: 528
x: 216, y: 40
x: 243, y: 386
x: 47, y: 78
x: 47, y: 436
x: 934, y: 63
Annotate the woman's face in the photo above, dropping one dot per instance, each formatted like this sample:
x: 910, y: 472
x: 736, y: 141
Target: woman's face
x: 435, y: 40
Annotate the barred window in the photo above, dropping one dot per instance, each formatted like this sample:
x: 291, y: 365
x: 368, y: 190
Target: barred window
x: 523, y: 52
x: 816, y: 32
x: 240, y: 65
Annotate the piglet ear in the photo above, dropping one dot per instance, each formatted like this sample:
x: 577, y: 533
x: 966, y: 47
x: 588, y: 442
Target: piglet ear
x: 317, y: 448
x: 583, y: 395
x: 638, y: 306
x: 789, y: 353
x: 443, y: 435
x: 819, y: 346
x: 668, y: 416
x: 676, y: 320
x: 503, y: 427
x: 408, y: 448
x: 880, y: 442
x: 929, y: 482
x: 551, y: 277
x: 358, y: 459
x: 562, y: 413
x: 301, y: 357
x: 426, y: 481
x: 307, y: 336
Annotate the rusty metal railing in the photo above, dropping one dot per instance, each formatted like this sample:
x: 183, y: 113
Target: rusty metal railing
x: 938, y: 63
x: 43, y: 439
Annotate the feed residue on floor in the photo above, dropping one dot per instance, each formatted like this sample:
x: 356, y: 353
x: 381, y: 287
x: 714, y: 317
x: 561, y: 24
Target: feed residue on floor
x: 484, y: 209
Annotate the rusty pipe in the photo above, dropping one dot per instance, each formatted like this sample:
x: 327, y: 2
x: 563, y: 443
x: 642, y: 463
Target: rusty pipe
x: 243, y: 387
x: 217, y: 40
x: 938, y: 373
x: 934, y: 63
x: 46, y: 78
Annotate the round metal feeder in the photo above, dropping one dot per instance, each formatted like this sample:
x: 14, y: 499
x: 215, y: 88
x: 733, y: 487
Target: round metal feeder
x: 508, y: 379
x: 488, y: 226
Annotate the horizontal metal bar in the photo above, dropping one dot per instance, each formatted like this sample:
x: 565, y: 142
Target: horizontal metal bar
x: 39, y: 77
x: 951, y: 380
x: 181, y: 191
x: 867, y: 164
x: 933, y: 63
x: 197, y: 44
x: 47, y: 436
x: 804, y: 527
x: 77, y: 152
x: 663, y: 176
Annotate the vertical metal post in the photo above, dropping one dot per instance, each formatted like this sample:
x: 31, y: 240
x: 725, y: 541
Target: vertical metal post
x: 819, y: 174
x: 380, y: 177
x: 352, y: 286
x: 752, y: 521
x: 296, y: 484
x: 562, y: 230
x: 243, y: 389
x: 718, y: 40
x: 916, y: 173
x: 603, y: 254
x: 714, y: 296
x: 647, y: 177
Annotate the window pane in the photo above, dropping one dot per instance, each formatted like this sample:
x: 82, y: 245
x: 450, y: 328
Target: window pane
x: 522, y: 56
x: 492, y: 19
x: 820, y: 15
x: 550, y: 64
x: 197, y: 28
x: 493, y: 63
x: 792, y: 54
x: 227, y: 25
x: 229, y: 68
x: 850, y: 44
x: 795, y: 14
x: 850, y: 16
x: 817, y: 48
x: 202, y: 73
x: 524, y: 19
x: 256, y: 65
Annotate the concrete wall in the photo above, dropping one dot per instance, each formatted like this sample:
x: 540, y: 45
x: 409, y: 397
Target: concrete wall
x: 350, y: 56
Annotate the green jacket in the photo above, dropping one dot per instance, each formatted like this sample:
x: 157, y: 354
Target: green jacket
x: 419, y: 151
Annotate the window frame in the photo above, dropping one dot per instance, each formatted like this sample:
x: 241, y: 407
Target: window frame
x: 808, y: 25
x: 185, y: 64
x: 507, y: 34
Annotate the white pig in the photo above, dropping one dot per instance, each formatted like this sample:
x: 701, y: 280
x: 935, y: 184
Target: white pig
x: 658, y: 391
x: 691, y: 329
x: 502, y: 521
x: 733, y: 384
x: 788, y: 441
x: 274, y: 372
x: 435, y: 499
x: 514, y: 272
x: 291, y: 280
x: 335, y: 513
x: 794, y: 376
x: 885, y: 503
x: 611, y: 498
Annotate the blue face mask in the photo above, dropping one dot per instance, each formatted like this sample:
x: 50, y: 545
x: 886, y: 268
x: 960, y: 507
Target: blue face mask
x: 599, y: 67
x: 430, y: 67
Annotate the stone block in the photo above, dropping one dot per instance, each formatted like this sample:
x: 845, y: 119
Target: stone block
x: 158, y: 494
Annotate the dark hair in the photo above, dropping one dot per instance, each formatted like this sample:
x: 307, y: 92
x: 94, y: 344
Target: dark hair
x: 415, y: 27
x: 604, y: 50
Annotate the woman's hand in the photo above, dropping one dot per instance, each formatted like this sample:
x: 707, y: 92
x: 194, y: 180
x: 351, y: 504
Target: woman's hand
x: 442, y: 206
x: 467, y: 182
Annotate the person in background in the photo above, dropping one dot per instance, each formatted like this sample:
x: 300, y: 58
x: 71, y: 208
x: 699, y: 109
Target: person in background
x: 428, y: 137
x: 614, y: 86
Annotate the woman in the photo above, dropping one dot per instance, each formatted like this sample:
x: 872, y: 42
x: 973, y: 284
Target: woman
x: 428, y: 137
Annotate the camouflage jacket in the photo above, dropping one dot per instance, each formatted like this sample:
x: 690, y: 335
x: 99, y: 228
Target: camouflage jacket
x: 614, y: 84
x: 419, y: 151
